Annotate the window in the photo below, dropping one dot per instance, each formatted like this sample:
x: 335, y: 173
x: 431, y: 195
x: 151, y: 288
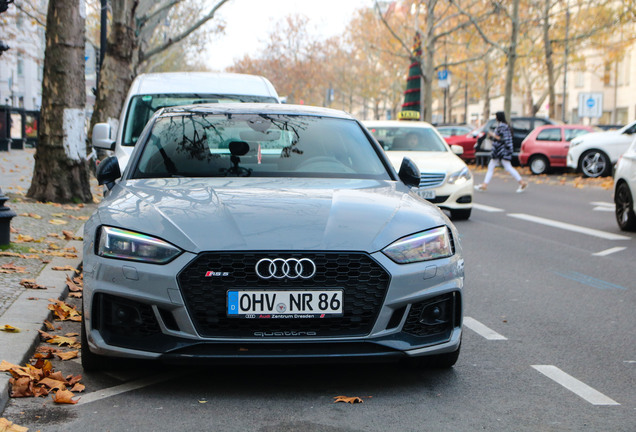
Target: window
x: 570, y: 134
x: 20, y: 65
x: 552, y: 134
x: 607, y: 74
x: 579, y: 79
x: 522, y: 125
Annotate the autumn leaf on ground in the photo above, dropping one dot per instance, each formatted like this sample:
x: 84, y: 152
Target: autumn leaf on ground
x: 56, y: 235
x: 32, y: 215
x: 12, y: 268
x: 347, y: 399
x: 62, y: 340
x: 75, y: 294
x: 44, y: 335
x: 54, y: 246
x: 58, y: 222
x: 63, y: 311
x: 69, y: 235
x: 9, y: 329
x: 7, y: 426
x: 53, y: 384
x: 49, y: 325
x: 31, y: 284
x: 72, y: 286
x: 58, y: 215
x: 67, y: 355
x: 82, y: 218
x: 10, y: 254
x: 64, y: 268
x: 78, y: 388
x: 64, y: 397
x: 23, y: 239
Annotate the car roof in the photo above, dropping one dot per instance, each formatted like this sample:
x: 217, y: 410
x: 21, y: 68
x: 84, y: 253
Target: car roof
x: 203, y: 82
x: 397, y: 124
x: 255, y: 108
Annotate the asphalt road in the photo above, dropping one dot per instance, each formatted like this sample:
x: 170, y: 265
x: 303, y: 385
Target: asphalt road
x: 549, y: 345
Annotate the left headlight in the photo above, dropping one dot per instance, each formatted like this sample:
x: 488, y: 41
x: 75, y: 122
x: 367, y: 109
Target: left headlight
x: 130, y: 245
x: 424, y: 246
x: 460, y: 177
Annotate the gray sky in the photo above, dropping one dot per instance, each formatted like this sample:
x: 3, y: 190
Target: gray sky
x: 249, y: 23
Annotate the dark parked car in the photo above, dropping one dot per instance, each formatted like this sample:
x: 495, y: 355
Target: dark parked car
x: 521, y: 127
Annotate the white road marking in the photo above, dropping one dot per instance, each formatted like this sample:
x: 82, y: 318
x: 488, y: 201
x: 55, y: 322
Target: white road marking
x: 486, y: 208
x: 569, y: 227
x: 609, y: 251
x: 123, y: 388
x: 482, y: 330
x: 575, y: 386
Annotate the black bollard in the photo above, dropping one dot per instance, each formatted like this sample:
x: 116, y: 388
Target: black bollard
x: 6, y: 214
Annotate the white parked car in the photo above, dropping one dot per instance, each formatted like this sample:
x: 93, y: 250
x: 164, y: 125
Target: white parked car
x: 595, y: 154
x: 445, y: 179
x: 624, y: 189
x: 150, y: 92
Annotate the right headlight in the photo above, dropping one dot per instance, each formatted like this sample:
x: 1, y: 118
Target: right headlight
x: 424, y: 246
x: 134, y: 246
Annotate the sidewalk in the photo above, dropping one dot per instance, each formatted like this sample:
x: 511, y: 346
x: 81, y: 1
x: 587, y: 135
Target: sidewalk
x: 43, y: 236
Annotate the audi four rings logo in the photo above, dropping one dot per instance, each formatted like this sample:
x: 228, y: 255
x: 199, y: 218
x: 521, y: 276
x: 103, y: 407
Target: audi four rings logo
x: 291, y: 268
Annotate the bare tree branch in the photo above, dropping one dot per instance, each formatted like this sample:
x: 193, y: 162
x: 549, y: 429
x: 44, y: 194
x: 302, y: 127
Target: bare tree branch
x: 150, y: 53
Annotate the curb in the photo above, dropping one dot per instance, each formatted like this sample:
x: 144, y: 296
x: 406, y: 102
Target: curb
x: 29, y: 315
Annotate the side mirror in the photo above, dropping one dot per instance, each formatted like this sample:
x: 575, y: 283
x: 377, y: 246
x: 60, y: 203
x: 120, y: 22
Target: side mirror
x: 457, y: 149
x: 101, y: 137
x: 108, y: 171
x: 409, y: 173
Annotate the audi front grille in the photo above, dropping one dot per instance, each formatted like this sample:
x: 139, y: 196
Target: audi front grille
x: 363, y: 280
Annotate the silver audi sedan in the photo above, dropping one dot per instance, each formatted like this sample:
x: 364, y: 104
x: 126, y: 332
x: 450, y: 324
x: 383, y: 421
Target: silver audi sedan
x: 259, y: 232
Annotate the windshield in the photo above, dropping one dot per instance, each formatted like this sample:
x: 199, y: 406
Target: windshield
x: 408, y: 139
x: 258, y: 145
x: 142, y: 107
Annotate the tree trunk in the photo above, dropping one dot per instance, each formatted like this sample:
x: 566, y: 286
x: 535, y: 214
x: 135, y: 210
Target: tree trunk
x: 511, y: 55
x: 61, y: 172
x: 549, y: 62
x: 120, y: 62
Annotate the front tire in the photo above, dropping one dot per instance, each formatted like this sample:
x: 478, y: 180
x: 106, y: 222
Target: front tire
x: 539, y: 165
x: 624, y: 201
x: 595, y: 163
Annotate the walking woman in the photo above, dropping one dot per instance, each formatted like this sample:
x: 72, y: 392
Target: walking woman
x: 501, y: 153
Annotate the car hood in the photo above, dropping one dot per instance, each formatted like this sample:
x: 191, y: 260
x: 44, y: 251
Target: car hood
x: 428, y: 161
x: 200, y: 214
x: 599, y: 137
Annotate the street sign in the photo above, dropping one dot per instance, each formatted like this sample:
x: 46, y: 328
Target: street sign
x: 590, y: 105
x: 443, y: 78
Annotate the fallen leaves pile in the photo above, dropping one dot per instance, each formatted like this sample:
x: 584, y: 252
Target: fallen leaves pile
x: 40, y: 380
x: 347, y: 399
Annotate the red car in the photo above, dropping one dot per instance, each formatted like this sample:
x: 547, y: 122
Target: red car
x: 461, y: 136
x: 546, y: 147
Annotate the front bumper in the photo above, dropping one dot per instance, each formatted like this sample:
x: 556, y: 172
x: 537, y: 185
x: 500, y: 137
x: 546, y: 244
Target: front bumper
x: 139, y: 310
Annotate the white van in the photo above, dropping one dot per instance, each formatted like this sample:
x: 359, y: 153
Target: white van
x: 150, y: 92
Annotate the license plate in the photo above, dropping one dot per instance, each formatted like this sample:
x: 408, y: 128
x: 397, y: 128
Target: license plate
x: 284, y: 304
x: 426, y: 194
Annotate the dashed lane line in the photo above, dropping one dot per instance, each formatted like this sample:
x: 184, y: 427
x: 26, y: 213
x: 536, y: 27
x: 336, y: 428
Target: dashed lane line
x: 486, y: 208
x: 610, y: 251
x: 569, y: 227
x: 482, y: 330
x: 575, y: 386
x: 603, y: 206
x: 126, y: 387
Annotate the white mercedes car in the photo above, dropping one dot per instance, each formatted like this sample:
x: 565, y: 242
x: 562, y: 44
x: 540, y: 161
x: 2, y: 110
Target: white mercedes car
x: 625, y: 188
x: 445, y: 179
x: 595, y: 154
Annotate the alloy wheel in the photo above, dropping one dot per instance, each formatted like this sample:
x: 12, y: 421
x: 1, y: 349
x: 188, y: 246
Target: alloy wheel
x: 594, y: 164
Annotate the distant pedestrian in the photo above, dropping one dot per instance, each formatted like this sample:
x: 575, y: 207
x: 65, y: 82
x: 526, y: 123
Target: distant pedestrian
x: 501, y: 153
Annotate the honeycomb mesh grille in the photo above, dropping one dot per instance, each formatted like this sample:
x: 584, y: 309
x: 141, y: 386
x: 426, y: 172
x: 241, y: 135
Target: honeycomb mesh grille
x: 363, y: 280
